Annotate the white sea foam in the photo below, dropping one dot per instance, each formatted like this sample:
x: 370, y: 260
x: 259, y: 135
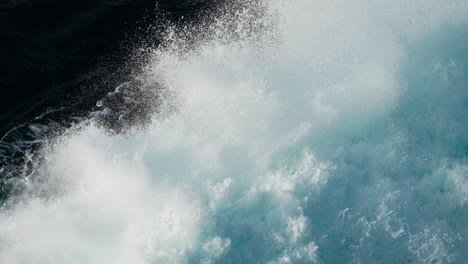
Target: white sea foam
x: 301, y: 144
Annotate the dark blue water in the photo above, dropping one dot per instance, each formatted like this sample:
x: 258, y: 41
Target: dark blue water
x: 53, y: 51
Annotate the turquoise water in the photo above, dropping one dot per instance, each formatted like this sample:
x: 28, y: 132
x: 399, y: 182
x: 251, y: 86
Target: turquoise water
x: 291, y: 132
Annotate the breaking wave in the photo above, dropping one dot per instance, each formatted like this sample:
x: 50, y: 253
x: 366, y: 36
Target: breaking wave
x: 285, y: 132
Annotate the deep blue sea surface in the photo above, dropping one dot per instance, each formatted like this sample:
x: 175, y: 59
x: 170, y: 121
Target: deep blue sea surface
x: 248, y: 131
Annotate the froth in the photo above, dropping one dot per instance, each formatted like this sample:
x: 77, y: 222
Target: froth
x: 264, y: 149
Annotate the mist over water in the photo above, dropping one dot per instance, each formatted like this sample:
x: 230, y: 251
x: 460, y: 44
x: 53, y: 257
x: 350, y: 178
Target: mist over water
x: 286, y: 132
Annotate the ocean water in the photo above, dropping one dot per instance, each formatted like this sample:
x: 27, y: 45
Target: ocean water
x: 302, y: 131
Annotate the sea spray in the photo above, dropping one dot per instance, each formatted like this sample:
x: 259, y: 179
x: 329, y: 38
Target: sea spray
x: 286, y: 132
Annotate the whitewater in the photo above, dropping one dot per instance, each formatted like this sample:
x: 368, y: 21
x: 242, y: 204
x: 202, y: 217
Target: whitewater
x: 302, y: 131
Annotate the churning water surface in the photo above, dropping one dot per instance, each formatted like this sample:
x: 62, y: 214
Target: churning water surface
x: 278, y: 131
